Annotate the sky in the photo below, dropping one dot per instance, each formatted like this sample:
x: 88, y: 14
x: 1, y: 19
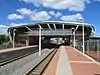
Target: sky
x: 19, y: 12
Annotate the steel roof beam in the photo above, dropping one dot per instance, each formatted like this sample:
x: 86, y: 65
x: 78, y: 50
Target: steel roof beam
x: 28, y: 28
x: 49, y: 26
x: 40, y: 26
x: 63, y: 26
x: 54, y: 26
x: 77, y: 27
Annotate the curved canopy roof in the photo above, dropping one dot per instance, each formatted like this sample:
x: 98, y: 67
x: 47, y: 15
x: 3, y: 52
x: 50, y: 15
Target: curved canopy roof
x: 53, y: 25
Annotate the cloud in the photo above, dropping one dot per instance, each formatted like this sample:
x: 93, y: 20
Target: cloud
x: 24, y: 11
x: 58, y: 14
x: 34, y: 15
x: 31, y: 14
x: 75, y: 5
x: 71, y: 17
x: 17, y: 24
x: 51, y: 12
x: 40, y: 16
x: 35, y: 2
x: 3, y: 29
x: 15, y: 16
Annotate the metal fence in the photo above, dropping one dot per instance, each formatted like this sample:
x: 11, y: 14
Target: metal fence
x: 92, y: 48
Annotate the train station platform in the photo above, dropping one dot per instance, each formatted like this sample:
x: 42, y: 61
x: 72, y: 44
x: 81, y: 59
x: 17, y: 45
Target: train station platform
x: 15, y: 49
x: 69, y: 61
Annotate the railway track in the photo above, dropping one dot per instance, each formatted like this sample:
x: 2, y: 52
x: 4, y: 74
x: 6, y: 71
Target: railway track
x: 41, y: 66
x: 14, y: 58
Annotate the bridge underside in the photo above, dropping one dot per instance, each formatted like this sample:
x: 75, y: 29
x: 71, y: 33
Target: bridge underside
x: 54, y: 36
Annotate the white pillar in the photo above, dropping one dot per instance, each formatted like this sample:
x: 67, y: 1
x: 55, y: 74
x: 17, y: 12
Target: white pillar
x: 74, y: 38
x: 83, y: 37
x: 82, y: 20
x: 98, y: 49
x: 74, y: 35
x: 40, y: 41
x: 10, y: 37
x: 88, y: 46
x: 14, y: 38
x: 27, y: 42
x: 73, y: 29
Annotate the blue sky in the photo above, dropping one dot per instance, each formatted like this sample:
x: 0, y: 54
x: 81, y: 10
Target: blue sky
x: 18, y: 12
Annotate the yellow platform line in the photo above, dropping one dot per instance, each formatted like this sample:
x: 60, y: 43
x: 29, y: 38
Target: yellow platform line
x: 63, y: 67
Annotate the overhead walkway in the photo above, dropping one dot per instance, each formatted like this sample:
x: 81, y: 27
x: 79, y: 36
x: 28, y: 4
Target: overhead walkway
x: 69, y: 61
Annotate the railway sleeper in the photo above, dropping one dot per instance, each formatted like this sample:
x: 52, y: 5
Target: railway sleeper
x: 40, y: 67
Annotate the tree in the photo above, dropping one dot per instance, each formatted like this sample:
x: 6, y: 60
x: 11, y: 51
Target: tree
x: 3, y: 38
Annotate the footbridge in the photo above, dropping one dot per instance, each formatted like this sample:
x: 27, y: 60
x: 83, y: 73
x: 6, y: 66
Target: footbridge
x: 29, y: 34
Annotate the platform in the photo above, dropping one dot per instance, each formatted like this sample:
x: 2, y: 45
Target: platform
x: 69, y: 61
x: 16, y: 49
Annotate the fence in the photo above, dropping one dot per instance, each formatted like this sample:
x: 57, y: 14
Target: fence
x: 92, y: 48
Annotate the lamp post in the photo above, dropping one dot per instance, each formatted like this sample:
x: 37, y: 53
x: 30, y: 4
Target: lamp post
x: 14, y: 38
x: 82, y: 20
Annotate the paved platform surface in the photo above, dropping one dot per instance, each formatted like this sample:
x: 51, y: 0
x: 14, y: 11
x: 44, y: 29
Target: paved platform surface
x: 14, y: 49
x: 74, y: 62
x: 51, y: 69
x: 80, y: 64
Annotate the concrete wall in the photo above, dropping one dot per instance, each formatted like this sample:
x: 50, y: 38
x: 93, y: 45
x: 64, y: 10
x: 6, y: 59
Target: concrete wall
x: 31, y: 40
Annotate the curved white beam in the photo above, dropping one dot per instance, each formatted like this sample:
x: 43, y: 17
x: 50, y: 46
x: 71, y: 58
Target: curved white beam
x: 76, y: 27
x: 54, y: 26
x: 49, y: 26
x: 40, y: 26
x: 28, y: 28
x: 63, y: 26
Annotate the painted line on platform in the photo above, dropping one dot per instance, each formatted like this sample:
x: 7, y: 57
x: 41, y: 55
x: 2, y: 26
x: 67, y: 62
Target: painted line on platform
x: 87, y: 56
x: 58, y: 61
x: 63, y: 67
x: 15, y: 49
x: 85, y: 62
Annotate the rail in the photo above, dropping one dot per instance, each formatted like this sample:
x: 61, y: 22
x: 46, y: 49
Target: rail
x: 16, y: 57
x: 41, y: 66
